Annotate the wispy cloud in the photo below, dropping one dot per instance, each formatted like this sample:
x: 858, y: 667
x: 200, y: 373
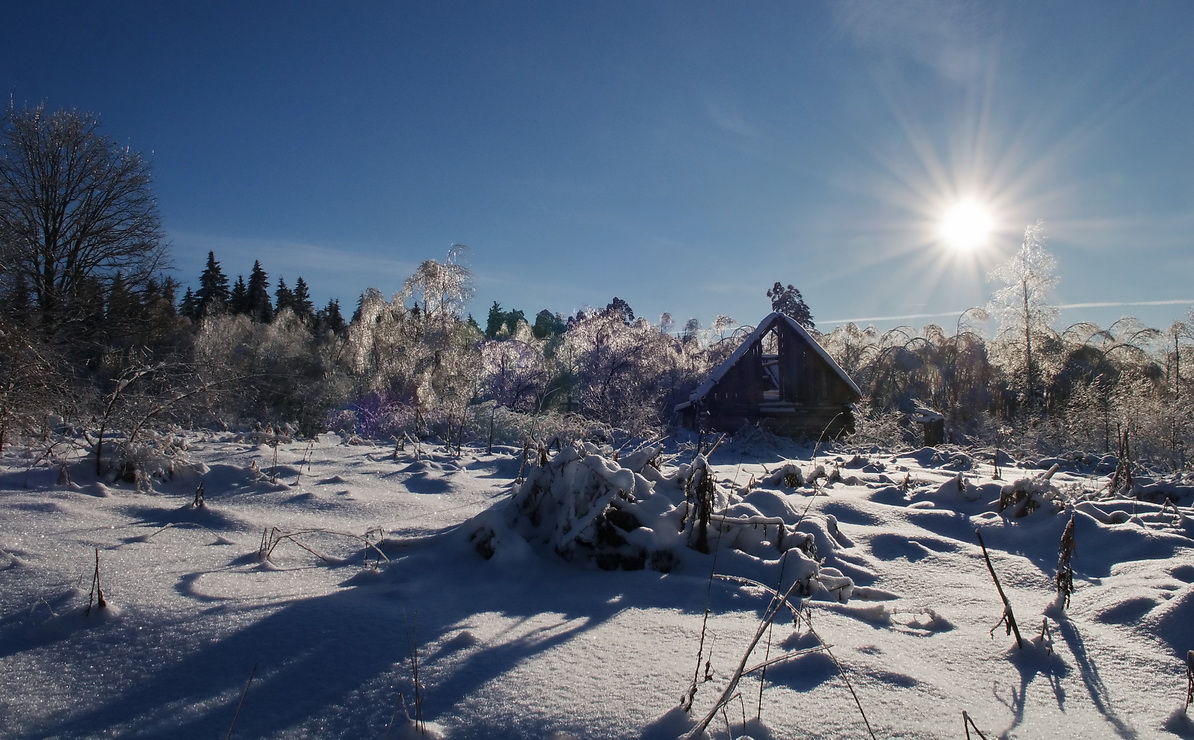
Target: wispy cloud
x: 943, y: 37
x: 1123, y: 304
x: 729, y: 118
x: 954, y: 314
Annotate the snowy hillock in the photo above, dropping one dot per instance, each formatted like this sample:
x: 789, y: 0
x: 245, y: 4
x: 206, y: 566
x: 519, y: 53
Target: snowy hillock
x: 589, y: 508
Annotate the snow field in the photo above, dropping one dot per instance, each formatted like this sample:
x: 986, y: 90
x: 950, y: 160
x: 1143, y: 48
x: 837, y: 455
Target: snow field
x: 526, y: 645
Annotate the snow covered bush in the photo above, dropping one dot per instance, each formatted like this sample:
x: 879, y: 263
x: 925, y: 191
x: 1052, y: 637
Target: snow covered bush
x: 501, y: 425
x: 588, y: 508
x: 1027, y: 495
x: 876, y: 427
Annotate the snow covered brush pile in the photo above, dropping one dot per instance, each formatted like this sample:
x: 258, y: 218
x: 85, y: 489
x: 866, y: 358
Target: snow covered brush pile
x: 588, y: 507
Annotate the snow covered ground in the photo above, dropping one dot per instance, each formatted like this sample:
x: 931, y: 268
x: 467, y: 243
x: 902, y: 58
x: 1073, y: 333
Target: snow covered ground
x: 374, y: 557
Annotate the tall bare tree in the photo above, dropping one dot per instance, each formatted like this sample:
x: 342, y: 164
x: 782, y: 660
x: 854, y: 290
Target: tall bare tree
x: 75, y: 208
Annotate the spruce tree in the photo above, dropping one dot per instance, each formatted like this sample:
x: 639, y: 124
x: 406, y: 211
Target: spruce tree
x: 238, y: 302
x: 121, y: 314
x: 302, y: 305
x: 495, y: 321
x: 189, y: 306
x: 260, y: 309
x: 283, y: 297
x: 329, y: 318
x: 212, y: 296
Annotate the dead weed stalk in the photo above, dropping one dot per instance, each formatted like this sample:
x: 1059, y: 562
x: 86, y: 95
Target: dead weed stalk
x: 1009, y: 618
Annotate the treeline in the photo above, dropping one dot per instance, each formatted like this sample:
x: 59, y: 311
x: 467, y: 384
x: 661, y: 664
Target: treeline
x: 411, y: 364
x: 415, y: 364
x: 1095, y: 386
x: 96, y: 340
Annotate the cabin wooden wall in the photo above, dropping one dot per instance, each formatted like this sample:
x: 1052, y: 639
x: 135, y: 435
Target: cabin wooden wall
x: 813, y: 398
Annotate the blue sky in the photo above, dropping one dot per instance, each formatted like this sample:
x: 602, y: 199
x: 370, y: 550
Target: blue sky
x: 683, y: 156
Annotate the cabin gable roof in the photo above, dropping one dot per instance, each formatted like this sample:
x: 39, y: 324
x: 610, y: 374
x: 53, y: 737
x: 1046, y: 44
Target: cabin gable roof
x: 755, y: 337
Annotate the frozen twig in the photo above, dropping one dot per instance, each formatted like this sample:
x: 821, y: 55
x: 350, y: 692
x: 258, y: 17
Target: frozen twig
x: 1189, y: 680
x: 968, y: 724
x: 1065, y: 568
x: 1008, y: 616
x: 241, y: 703
x: 97, y: 592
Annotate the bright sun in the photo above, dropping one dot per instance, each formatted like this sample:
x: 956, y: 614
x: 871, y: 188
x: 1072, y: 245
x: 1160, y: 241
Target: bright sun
x: 966, y: 226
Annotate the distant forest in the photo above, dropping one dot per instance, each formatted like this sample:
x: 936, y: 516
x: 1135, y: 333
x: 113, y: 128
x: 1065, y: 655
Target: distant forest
x: 96, y: 341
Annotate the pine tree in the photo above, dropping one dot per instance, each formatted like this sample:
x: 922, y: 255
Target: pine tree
x: 88, y: 304
x: 238, y: 302
x: 160, y: 315
x: 547, y: 324
x: 259, y: 307
x: 495, y: 321
x: 329, y: 318
x: 212, y: 296
x: 189, y: 306
x: 283, y: 297
x: 621, y: 309
x: 18, y: 304
x: 302, y: 305
x: 789, y: 301
x: 513, y: 318
x: 122, y: 313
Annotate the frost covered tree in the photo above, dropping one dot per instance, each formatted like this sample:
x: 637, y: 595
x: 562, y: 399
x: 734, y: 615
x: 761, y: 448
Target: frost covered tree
x: 618, y: 372
x: 417, y: 368
x: 75, y: 210
x: 441, y: 288
x: 1022, y: 308
x: 275, y: 372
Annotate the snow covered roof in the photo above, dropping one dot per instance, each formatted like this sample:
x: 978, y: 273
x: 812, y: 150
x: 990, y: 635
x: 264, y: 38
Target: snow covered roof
x: 764, y: 326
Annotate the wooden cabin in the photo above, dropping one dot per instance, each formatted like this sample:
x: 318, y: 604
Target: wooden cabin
x: 780, y: 379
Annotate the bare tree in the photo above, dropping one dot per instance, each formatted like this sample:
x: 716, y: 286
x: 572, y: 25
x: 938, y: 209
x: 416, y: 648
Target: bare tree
x: 75, y: 207
x: 31, y: 382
